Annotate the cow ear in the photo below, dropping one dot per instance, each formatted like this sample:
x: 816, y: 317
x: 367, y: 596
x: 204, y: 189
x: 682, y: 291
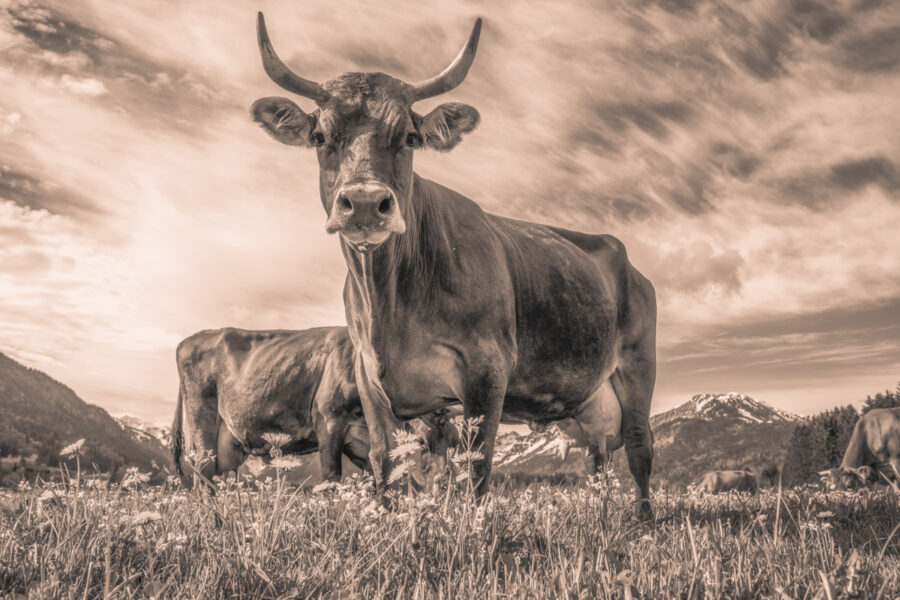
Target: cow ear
x: 443, y: 128
x: 283, y: 120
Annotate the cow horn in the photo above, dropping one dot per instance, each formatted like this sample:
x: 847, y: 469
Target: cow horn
x: 453, y: 75
x: 279, y: 72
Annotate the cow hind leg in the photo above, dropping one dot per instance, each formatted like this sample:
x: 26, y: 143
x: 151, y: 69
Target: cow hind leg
x: 633, y: 384
x: 201, y: 427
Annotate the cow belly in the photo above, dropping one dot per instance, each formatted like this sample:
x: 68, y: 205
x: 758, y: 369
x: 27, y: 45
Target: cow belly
x: 423, y: 381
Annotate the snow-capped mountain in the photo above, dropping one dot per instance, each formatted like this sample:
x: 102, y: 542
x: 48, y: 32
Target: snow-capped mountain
x: 730, y: 406
x: 547, y: 452
x: 140, y: 428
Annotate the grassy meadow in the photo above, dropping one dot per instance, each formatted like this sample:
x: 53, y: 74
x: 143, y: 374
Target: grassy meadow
x: 80, y: 539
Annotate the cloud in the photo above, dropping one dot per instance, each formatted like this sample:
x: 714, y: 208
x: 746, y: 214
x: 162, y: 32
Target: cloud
x: 85, y: 87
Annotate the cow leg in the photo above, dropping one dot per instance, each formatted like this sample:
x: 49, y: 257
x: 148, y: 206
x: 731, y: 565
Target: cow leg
x: 380, y: 419
x: 201, y: 427
x: 633, y: 383
x: 484, y: 398
x: 230, y: 453
x: 331, y: 443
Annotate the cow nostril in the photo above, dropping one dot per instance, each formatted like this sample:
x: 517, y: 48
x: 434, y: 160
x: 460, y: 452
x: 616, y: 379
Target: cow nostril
x: 344, y: 203
x: 384, y: 206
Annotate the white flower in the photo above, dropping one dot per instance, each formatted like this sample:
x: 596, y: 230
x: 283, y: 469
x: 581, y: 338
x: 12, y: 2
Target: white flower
x: 133, y: 478
x: 398, y: 471
x: 325, y: 485
x: 73, y: 449
x: 278, y: 440
x: 287, y: 462
x: 144, y: 517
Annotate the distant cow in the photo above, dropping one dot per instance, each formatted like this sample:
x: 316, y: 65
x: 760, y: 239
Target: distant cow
x: 237, y: 385
x: 725, y: 481
x: 874, y: 447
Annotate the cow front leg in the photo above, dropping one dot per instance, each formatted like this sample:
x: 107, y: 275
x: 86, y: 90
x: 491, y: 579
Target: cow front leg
x: 331, y: 444
x: 484, y: 398
x: 380, y: 421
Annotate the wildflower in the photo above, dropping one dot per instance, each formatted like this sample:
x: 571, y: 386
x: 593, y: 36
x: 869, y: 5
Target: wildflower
x: 144, y: 517
x: 134, y: 478
x: 408, y: 444
x: 469, y: 456
x: 277, y: 441
x: 48, y: 495
x: 398, y: 471
x: 73, y: 449
x: 325, y: 485
x: 287, y: 462
x: 825, y: 514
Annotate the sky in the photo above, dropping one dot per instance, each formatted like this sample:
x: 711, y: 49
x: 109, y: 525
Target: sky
x: 747, y: 153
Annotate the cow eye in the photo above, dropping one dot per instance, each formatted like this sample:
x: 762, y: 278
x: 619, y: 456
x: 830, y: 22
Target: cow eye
x: 413, y: 140
x: 317, y: 139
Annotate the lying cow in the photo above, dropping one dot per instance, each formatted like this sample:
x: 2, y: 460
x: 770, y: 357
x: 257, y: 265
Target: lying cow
x: 715, y: 482
x: 237, y: 385
x: 874, y: 448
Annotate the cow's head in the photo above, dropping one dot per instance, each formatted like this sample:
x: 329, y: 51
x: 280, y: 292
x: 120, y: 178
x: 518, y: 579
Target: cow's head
x: 364, y: 132
x: 843, y: 478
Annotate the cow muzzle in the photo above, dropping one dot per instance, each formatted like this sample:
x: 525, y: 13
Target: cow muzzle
x: 365, y: 214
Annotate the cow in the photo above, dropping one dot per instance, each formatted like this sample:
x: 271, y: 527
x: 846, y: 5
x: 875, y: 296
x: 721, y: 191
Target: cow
x: 874, y: 449
x: 715, y: 482
x: 448, y: 304
x: 237, y: 385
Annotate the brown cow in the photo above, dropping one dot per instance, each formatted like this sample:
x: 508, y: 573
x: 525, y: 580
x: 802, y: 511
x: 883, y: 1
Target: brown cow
x: 446, y: 303
x: 723, y: 481
x: 874, y: 448
x: 237, y: 385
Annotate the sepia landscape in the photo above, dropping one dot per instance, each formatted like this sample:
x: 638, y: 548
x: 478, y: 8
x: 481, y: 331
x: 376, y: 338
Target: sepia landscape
x: 449, y: 300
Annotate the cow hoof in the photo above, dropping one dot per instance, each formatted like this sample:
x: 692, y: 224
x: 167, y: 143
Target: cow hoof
x: 644, y: 510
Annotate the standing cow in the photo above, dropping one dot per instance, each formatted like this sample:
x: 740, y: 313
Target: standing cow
x: 446, y: 303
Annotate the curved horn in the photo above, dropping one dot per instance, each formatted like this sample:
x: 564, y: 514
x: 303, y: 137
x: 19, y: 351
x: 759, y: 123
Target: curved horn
x: 279, y: 72
x: 453, y: 75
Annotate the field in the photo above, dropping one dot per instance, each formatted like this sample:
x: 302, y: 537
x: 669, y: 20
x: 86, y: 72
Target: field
x: 78, y: 539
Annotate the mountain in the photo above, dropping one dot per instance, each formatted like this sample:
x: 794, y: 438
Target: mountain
x: 710, y: 431
x: 715, y: 431
x: 41, y: 416
x: 724, y: 406
x: 143, y: 430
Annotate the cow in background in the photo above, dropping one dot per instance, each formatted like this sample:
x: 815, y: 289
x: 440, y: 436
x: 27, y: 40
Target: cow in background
x: 236, y: 386
x: 873, y: 451
x: 715, y: 482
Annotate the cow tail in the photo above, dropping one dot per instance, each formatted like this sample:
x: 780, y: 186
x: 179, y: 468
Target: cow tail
x: 177, y: 443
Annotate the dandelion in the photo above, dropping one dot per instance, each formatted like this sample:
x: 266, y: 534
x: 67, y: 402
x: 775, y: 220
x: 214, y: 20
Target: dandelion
x: 325, y: 485
x: 825, y: 514
x: 287, y: 462
x: 398, y: 471
x: 73, y: 449
x: 408, y: 444
x: 277, y: 441
x: 145, y: 517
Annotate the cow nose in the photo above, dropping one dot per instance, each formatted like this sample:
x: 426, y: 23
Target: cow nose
x: 366, y: 202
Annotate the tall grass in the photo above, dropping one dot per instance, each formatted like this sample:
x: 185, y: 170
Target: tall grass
x: 80, y: 539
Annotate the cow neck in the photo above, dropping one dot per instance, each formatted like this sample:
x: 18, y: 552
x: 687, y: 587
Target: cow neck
x: 401, y: 274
